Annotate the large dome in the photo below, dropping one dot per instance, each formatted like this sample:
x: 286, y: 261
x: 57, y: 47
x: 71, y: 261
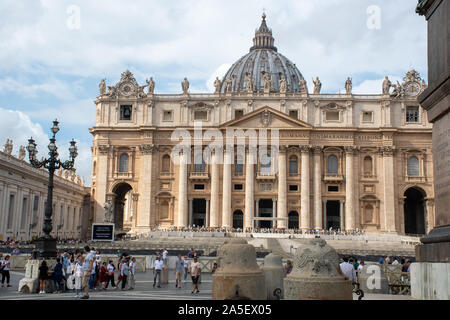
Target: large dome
x: 263, y: 58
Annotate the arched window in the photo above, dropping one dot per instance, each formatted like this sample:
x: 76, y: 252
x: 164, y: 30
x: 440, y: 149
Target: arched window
x: 293, y: 165
x: 238, y: 219
x: 413, y: 167
x: 332, y: 164
x: 123, y: 162
x: 239, y: 165
x: 199, y: 163
x: 165, y: 164
x: 368, y: 169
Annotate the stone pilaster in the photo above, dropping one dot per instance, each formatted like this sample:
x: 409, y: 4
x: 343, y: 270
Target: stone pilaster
x: 182, y: 191
x: 145, y: 212
x: 282, y: 188
x: 318, y: 222
x: 349, y: 189
x: 226, y: 192
x: 101, y: 181
x: 388, y: 190
x: 305, y: 212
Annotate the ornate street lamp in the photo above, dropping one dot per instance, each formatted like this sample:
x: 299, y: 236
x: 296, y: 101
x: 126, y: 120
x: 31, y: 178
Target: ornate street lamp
x: 46, y: 245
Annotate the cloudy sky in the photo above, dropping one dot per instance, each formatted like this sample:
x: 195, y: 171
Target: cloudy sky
x: 53, y: 53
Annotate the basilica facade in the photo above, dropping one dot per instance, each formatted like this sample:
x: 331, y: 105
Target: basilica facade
x: 344, y: 161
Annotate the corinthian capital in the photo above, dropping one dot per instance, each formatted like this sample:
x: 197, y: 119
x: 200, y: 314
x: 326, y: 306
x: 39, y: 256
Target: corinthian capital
x: 387, y: 150
x: 305, y: 148
x: 317, y: 149
x: 350, y: 149
x: 103, y: 149
x: 147, y: 148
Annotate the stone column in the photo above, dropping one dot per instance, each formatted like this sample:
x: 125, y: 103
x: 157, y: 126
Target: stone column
x: 226, y: 192
x: 274, y: 209
x: 146, y: 206
x: 208, y: 214
x: 282, y: 189
x: 191, y: 212
x: 102, y: 182
x: 318, y: 222
x: 249, y: 189
x: 349, y: 189
x: 388, y: 190
x: 215, y: 180
x: 305, y: 201
x: 182, y: 191
x: 324, y: 208
x: 256, y: 213
x: 342, y: 215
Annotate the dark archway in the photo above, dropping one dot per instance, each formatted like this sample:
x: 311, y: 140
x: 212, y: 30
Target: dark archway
x: 293, y: 220
x: 414, y: 211
x: 120, y: 191
x: 199, y: 212
x: 333, y: 217
x: 266, y: 211
x: 238, y: 219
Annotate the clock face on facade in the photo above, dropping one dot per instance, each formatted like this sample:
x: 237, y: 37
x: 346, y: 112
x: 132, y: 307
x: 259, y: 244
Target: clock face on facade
x: 127, y: 89
x: 412, y: 89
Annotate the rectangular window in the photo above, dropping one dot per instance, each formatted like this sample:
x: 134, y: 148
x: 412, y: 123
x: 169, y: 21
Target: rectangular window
x: 332, y: 116
x: 412, y: 114
x: 10, y: 211
x: 201, y: 115
x: 168, y: 116
x: 238, y: 187
x: 293, y: 188
x: 333, y: 189
x: 125, y: 112
x: 199, y: 187
x: 23, y: 218
x: 36, y: 203
x: 367, y: 116
x: 238, y: 114
x: 293, y: 114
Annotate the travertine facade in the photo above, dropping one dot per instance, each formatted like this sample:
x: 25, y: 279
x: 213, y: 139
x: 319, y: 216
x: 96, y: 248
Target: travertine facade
x: 23, y: 194
x: 346, y: 161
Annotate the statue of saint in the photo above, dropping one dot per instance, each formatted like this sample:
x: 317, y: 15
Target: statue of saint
x: 267, y: 82
x: 217, y: 84
x: 348, y: 86
x: 8, y: 147
x: 303, y: 86
x: 109, y: 212
x: 317, y: 86
x: 151, y: 85
x: 398, y: 91
x: 283, y: 84
x: 185, y: 86
x: 102, y: 87
x: 22, y: 153
x: 387, y: 84
x: 249, y: 83
x: 229, y: 85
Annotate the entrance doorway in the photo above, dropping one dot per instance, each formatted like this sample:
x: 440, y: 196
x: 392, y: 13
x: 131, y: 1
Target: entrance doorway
x: 265, y: 211
x: 199, y: 212
x: 414, y: 212
x: 238, y: 219
x: 333, y: 215
x: 293, y: 220
x: 121, y: 192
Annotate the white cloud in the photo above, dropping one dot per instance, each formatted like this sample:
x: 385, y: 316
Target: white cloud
x: 219, y: 72
x: 19, y: 127
x: 52, y: 86
x: 373, y: 86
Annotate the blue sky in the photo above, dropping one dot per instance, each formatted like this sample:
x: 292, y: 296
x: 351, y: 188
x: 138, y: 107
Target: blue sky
x: 53, y: 53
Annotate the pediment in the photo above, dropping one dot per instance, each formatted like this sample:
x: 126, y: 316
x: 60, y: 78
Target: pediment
x: 267, y: 118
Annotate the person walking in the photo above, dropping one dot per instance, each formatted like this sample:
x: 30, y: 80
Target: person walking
x: 43, y: 276
x: 103, y: 276
x: 186, y: 267
x: 157, y: 269
x: 125, y: 273
x: 78, y: 272
x: 110, y: 268
x: 179, y: 269
x: 58, y: 276
x: 195, y: 270
x: 88, y: 266
x: 93, y: 275
x: 120, y: 277
x: 5, y: 265
x: 132, y: 273
x: 348, y: 270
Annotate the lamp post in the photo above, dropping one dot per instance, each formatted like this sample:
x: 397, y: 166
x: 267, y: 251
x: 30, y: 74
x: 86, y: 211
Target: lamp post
x: 46, y: 245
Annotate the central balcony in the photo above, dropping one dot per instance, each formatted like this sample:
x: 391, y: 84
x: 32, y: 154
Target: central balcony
x: 199, y: 176
x: 266, y: 176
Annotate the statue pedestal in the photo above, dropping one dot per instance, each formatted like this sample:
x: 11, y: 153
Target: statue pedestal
x: 30, y: 284
x: 238, y: 276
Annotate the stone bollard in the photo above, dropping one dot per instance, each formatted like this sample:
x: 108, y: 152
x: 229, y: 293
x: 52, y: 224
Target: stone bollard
x: 316, y: 274
x: 274, y: 274
x: 238, y: 276
x: 372, y: 279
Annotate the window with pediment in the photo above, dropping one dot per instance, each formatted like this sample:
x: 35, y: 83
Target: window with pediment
x: 332, y: 164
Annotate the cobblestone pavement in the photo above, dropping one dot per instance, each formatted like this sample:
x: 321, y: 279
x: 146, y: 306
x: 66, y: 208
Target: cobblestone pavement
x: 144, y: 291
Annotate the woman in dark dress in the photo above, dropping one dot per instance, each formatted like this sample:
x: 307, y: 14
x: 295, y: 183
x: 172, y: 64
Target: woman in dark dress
x: 43, y: 276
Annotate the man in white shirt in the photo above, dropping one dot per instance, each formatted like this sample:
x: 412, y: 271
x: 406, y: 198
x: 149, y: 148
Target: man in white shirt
x: 87, y: 267
x: 348, y: 270
x: 110, y: 268
x: 195, y: 270
x: 157, y: 268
